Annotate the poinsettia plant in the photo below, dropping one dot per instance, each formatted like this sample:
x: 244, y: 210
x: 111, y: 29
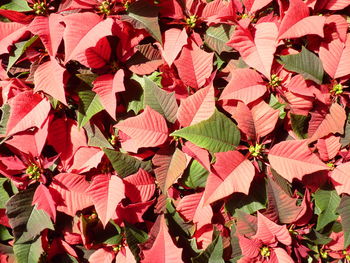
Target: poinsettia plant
x: 174, y: 131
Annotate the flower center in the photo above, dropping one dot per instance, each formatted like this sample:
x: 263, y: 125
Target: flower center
x: 275, y: 81
x: 265, y: 251
x: 33, y: 171
x: 337, y: 89
x: 105, y: 8
x: 191, y: 21
x: 255, y: 150
x: 40, y: 8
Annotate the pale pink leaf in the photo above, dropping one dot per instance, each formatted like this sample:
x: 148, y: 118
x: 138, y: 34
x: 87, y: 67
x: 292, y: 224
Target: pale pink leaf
x: 106, y: 192
x: 49, y: 78
x: 293, y: 159
x: 197, y: 107
x: 336, y: 4
x: 194, y: 66
x: 258, y: 49
x: 27, y: 110
x: 149, y: 129
x: 43, y: 198
x: 231, y: 173
x: 68, y: 190
x: 321, y: 125
x: 102, y: 255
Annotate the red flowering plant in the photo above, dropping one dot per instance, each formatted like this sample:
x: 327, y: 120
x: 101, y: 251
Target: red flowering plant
x: 174, y: 131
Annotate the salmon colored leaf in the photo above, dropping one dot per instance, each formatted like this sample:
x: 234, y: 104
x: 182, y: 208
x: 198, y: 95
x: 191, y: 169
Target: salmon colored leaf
x: 174, y: 40
x: 27, y: 110
x: 149, y: 129
x: 194, y: 65
x: 311, y: 25
x: 197, y: 107
x: 297, y: 10
x: 231, y: 173
x: 293, y: 159
x: 50, y: 78
x: 192, y: 208
x: 69, y: 192
x: 106, y: 192
x: 50, y: 31
x: 257, y: 46
x: 170, y: 166
x: 335, y: 56
x: 163, y: 249
x: 106, y: 87
x: 139, y: 187
x: 281, y: 207
x: 245, y: 85
x: 321, y: 125
x: 43, y: 199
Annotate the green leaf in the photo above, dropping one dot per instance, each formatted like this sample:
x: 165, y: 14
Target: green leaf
x: 142, y: 15
x: 87, y: 78
x: 217, y: 36
x: 299, y: 125
x: 177, y: 225
x: 89, y: 106
x: 195, y: 176
x: 125, y: 164
x: 134, y: 237
x: 160, y: 100
x: 29, y: 252
x: 275, y: 104
x: 344, y: 139
x: 305, y: 63
x: 27, y: 221
x: 5, y: 114
x: 135, y: 94
x: 20, y: 48
x: 17, y: 5
x: 216, y: 134
x: 246, y: 203
x: 213, y: 253
x: 327, y: 202
x: 96, y: 137
x: 4, y: 233
x: 344, y: 211
x: 4, y: 195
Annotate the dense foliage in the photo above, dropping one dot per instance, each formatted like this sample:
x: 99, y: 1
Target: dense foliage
x: 173, y: 131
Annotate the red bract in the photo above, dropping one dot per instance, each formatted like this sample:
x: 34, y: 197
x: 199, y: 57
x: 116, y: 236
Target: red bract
x: 174, y: 131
